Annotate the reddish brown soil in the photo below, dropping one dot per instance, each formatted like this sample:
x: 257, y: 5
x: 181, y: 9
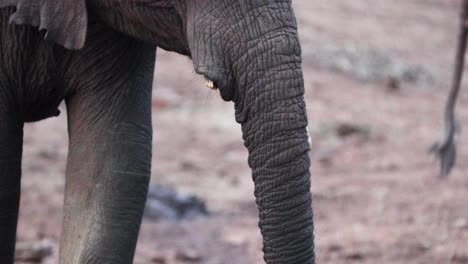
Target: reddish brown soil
x: 376, y: 195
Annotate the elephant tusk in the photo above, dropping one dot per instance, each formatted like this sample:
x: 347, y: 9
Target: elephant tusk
x: 309, y: 138
x: 210, y: 84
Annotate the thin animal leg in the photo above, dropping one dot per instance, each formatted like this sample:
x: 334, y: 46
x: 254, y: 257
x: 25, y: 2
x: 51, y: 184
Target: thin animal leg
x: 446, y: 148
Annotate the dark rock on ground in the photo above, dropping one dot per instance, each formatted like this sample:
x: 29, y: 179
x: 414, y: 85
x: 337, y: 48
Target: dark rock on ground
x: 165, y: 203
x: 33, y: 252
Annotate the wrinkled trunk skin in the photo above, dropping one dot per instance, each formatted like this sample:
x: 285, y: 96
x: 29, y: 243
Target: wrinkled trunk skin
x: 273, y: 115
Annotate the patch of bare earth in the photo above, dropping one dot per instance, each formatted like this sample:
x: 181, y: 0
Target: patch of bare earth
x: 376, y: 195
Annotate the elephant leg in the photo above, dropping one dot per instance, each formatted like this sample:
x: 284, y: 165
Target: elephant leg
x: 11, y: 143
x: 109, y: 164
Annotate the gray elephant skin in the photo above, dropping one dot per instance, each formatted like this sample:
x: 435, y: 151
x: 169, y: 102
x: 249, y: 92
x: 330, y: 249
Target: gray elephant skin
x: 98, y: 56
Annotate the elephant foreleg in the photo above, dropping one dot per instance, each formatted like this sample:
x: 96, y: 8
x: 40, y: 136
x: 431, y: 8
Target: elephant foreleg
x: 108, y: 168
x: 11, y: 142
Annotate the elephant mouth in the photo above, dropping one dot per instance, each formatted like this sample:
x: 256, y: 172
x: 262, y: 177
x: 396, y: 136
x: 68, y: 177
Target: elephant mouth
x: 210, y: 84
x: 219, y: 79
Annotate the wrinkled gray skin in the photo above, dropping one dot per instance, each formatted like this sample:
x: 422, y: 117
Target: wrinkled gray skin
x: 99, y: 58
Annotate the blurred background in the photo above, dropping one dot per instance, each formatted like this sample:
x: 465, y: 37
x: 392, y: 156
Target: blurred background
x: 377, y: 74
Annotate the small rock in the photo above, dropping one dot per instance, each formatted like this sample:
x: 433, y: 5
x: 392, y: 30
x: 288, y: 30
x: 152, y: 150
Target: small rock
x: 188, y: 165
x: 461, y: 223
x: 423, y: 246
x: 34, y: 252
x: 324, y: 156
x: 51, y: 155
x: 392, y: 84
x: 335, y: 248
x: 159, y: 103
x: 159, y: 259
x: 462, y: 259
x: 355, y: 256
x: 188, y: 255
x: 348, y: 129
x: 235, y: 181
x: 164, y: 202
x: 236, y: 238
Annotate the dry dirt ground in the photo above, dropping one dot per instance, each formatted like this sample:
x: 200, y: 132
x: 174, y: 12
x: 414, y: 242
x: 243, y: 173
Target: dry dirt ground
x: 376, y: 195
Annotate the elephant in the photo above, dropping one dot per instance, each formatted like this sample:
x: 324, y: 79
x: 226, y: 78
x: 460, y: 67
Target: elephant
x: 98, y: 57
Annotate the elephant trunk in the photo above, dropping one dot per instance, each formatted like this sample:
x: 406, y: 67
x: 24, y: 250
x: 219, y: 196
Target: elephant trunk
x: 271, y: 109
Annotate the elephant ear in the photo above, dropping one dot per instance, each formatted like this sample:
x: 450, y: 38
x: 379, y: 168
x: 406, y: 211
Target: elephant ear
x: 65, y: 21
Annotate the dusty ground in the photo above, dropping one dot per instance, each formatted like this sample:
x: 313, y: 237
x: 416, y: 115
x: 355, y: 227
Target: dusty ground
x: 376, y: 195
